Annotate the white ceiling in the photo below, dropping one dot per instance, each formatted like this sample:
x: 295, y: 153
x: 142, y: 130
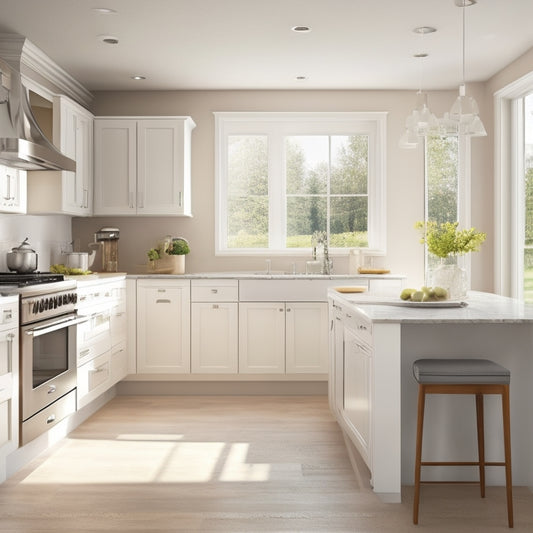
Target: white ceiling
x: 248, y: 44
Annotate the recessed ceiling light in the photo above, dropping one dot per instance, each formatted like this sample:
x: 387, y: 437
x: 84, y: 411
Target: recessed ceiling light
x: 103, y: 10
x: 423, y: 30
x: 108, y: 39
x: 138, y: 77
x: 464, y: 3
x: 301, y: 29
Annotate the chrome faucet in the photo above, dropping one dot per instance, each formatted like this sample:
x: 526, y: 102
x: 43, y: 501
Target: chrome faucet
x: 321, y: 237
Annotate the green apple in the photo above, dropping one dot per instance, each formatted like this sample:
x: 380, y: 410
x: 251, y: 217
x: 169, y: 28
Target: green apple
x: 406, y: 294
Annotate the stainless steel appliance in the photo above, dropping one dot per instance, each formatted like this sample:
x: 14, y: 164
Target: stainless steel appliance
x: 48, y: 322
x: 22, y: 143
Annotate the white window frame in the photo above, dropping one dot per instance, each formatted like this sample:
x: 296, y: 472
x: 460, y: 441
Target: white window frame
x: 277, y: 125
x: 508, y: 187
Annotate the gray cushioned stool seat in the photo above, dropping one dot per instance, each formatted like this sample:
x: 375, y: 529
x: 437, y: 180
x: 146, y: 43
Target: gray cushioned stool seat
x: 457, y: 371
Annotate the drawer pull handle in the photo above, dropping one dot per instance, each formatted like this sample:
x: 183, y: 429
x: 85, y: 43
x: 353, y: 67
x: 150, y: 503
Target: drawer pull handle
x: 51, y: 419
x: 162, y: 301
x: 215, y: 306
x: 214, y: 291
x: 97, y: 370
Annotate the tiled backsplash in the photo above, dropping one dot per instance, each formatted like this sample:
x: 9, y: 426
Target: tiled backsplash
x: 46, y: 235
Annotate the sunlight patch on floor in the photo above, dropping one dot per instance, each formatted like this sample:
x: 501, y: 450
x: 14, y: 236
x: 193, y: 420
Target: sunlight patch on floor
x: 147, y: 459
x: 237, y: 469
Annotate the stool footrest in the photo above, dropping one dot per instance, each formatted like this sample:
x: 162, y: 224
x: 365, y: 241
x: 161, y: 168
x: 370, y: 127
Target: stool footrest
x: 449, y: 482
x: 459, y: 463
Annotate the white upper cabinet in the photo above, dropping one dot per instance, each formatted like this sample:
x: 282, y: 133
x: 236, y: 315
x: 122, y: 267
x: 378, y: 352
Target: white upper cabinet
x: 143, y: 166
x: 62, y: 191
x: 12, y: 190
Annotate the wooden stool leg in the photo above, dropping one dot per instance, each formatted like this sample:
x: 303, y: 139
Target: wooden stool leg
x: 418, y: 458
x: 481, y: 442
x: 507, y: 447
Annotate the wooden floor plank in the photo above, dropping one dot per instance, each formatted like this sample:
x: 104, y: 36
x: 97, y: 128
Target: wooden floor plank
x: 229, y: 464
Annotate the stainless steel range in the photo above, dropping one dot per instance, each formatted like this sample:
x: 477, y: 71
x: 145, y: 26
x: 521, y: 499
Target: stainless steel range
x: 47, y: 349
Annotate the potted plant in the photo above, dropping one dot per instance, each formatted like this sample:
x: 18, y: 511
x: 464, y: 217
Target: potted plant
x: 169, y: 256
x: 446, y: 241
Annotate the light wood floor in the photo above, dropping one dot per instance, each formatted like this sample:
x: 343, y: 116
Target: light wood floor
x: 234, y: 464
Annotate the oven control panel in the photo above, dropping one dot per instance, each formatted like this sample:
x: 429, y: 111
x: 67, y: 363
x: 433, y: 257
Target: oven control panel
x: 48, y: 305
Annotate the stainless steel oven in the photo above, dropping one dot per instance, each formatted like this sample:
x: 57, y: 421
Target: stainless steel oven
x: 48, y: 328
x: 48, y: 362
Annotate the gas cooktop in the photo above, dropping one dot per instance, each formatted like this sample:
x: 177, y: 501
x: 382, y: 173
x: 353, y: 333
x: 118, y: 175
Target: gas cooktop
x: 33, y: 278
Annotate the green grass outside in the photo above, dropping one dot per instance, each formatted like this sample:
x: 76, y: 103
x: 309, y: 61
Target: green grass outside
x: 356, y: 239
x: 528, y: 285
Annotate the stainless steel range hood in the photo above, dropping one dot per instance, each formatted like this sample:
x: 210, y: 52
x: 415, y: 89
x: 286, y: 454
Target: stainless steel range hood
x: 22, y: 143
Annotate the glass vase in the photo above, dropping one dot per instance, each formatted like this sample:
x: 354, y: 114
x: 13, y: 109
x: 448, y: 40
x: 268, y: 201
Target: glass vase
x: 451, y: 277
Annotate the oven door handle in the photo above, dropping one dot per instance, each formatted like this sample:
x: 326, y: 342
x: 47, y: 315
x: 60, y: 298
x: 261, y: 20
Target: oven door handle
x: 58, y: 324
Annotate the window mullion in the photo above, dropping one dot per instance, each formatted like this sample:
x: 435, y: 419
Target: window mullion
x: 277, y: 212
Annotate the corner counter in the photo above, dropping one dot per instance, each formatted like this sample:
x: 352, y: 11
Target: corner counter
x: 489, y: 326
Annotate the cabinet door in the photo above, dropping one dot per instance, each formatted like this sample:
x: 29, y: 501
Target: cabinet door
x: 214, y: 338
x: 9, y: 404
x: 12, y: 190
x: 115, y: 170
x: 357, y: 391
x: 160, y: 174
x: 262, y: 337
x: 336, y: 360
x: 163, y: 327
x: 307, y: 337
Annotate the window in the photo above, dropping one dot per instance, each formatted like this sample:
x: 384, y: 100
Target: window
x: 280, y: 177
x: 442, y: 183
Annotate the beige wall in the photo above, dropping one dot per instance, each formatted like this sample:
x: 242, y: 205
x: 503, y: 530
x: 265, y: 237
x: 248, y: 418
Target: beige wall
x: 405, y: 176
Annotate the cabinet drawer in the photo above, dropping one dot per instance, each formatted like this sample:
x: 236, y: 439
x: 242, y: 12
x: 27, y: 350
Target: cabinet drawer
x: 94, y: 336
x: 93, y: 379
x: 48, y: 417
x: 215, y: 291
x: 359, y: 325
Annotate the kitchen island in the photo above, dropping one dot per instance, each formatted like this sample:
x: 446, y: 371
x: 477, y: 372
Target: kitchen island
x: 373, y: 394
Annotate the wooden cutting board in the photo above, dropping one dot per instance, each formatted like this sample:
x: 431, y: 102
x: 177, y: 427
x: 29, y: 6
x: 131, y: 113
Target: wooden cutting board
x: 350, y: 289
x: 363, y: 270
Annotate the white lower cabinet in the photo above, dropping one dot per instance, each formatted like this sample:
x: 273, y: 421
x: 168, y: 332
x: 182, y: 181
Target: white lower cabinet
x: 350, y: 375
x: 306, y: 331
x: 262, y: 337
x: 214, y: 338
x: 357, y: 391
x: 9, y: 380
x: 283, y: 337
x: 163, y: 326
x: 102, y: 340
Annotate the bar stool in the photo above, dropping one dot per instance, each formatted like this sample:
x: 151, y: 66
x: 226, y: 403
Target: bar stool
x: 464, y: 376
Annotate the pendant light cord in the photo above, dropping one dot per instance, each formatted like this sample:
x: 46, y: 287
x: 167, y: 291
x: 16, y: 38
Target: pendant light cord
x: 464, y: 38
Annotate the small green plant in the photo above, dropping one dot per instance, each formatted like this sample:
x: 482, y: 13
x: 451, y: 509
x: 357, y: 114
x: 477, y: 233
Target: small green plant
x: 445, y: 239
x: 153, y: 254
x: 178, y: 247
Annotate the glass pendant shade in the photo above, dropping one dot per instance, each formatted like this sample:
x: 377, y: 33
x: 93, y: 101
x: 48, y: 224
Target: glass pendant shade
x: 465, y: 115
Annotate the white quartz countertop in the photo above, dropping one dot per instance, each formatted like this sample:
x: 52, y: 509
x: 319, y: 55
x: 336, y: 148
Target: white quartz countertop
x: 481, y: 307
x: 264, y: 275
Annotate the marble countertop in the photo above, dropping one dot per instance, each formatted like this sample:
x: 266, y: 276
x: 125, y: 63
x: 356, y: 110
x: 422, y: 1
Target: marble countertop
x: 481, y: 307
x: 264, y: 275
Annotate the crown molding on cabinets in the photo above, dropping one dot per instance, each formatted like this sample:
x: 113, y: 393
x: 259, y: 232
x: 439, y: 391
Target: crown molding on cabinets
x: 19, y: 51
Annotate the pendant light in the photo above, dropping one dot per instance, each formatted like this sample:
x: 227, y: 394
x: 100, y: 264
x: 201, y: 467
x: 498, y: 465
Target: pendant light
x: 463, y: 118
x: 421, y: 121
